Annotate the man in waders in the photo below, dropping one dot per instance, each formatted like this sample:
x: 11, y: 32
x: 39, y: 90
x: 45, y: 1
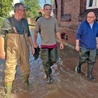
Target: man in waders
x: 87, y: 43
x: 48, y: 28
x: 15, y: 36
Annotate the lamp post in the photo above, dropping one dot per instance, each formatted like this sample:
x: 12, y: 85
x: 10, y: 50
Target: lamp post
x: 52, y: 4
x: 45, y: 1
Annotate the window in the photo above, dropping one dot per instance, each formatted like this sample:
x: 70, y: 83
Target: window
x: 91, y: 4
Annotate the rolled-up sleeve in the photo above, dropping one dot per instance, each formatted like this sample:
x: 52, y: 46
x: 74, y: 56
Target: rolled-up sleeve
x: 6, y: 26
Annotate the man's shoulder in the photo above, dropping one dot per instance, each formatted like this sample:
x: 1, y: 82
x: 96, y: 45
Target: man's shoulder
x: 6, y: 21
x: 41, y: 19
x: 96, y: 23
x: 24, y: 19
x: 54, y: 19
x: 83, y: 23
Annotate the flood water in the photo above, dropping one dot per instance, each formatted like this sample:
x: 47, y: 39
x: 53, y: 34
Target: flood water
x: 66, y: 82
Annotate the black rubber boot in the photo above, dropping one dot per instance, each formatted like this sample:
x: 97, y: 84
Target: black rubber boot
x: 50, y: 71
x: 49, y: 80
x: 78, y: 67
x: 90, y: 70
x: 26, y: 81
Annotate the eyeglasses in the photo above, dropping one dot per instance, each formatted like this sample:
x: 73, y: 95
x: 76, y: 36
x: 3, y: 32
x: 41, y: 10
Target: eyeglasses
x: 90, y: 16
x: 22, y: 10
x: 48, y: 9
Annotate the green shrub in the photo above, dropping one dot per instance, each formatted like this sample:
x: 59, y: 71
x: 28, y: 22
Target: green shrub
x: 1, y: 21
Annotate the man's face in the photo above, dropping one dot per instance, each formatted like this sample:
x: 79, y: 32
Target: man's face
x: 90, y: 18
x: 47, y: 10
x: 21, y: 12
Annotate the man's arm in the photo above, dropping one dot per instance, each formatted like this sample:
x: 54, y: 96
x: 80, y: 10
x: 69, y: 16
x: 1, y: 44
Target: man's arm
x: 31, y: 44
x: 2, y: 51
x: 5, y: 27
x: 60, y: 40
x: 58, y: 34
x: 97, y: 42
x: 36, y: 31
x: 35, y: 38
x: 77, y: 47
x: 78, y: 37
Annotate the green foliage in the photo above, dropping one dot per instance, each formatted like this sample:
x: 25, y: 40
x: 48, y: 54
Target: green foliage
x: 32, y: 8
x: 5, y: 7
x: 1, y: 21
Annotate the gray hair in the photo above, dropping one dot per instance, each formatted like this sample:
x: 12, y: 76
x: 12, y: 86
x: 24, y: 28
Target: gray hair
x: 17, y: 5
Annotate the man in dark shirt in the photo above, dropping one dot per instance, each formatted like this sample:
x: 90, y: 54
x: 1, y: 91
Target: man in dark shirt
x: 16, y: 32
x: 39, y: 15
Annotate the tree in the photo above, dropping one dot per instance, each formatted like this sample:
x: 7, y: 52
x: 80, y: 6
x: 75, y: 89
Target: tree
x: 32, y: 7
x: 5, y: 7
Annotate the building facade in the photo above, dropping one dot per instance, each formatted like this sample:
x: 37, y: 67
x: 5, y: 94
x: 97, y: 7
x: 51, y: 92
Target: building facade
x: 70, y: 13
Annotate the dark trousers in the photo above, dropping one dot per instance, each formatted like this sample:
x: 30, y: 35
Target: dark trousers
x: 87, y: 55
x: 49, y: 57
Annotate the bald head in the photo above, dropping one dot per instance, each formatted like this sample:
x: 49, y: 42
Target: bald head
x: 91, y: 17
x: 91, y: 14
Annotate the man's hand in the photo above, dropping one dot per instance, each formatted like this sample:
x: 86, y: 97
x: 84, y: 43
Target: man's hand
x: 97, y: 46
x: 60, y: 40
x: 61, y: 46
x: 77, y: 48
x: 2, y: 52
x: 2, y: 55
x: 35, y: 45
x: 97, y: 42
x: 32, y: 49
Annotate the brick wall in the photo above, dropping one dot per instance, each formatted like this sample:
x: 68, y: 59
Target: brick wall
x: 67, y: 14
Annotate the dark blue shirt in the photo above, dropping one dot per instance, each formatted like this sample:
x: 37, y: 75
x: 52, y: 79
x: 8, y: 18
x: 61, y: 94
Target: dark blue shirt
x: 21, y: 26
x: 87, y: 35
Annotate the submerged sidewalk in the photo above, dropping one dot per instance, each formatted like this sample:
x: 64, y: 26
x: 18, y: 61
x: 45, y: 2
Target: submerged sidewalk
x: 66, y: 82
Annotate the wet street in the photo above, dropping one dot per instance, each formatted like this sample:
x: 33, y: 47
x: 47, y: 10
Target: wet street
x: 66, y: 82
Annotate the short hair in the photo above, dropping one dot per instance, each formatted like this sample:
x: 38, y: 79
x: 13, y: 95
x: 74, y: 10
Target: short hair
x: 46, y: 5
x: 39, y: 12
x: 17, y: 5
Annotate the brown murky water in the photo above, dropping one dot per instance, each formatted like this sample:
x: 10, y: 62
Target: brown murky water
x: 66, y: 82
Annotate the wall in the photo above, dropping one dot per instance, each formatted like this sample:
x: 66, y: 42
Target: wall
x: 68, y: 12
